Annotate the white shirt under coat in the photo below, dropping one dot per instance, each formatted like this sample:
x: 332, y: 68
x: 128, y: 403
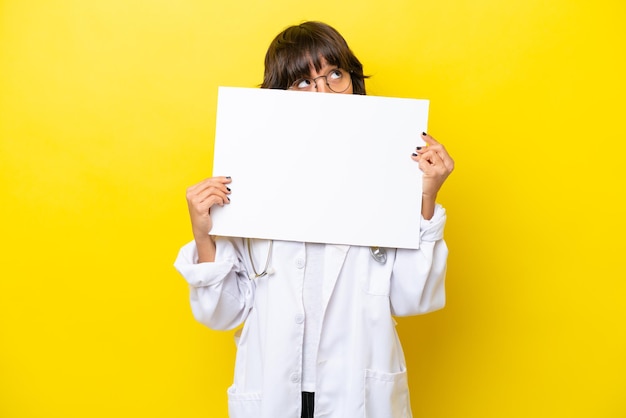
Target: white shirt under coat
x: 360, y: 367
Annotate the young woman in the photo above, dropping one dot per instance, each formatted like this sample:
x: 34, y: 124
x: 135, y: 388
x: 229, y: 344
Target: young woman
x: 318, y: 338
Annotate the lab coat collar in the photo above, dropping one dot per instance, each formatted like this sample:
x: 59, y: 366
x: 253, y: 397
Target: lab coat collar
x: 334, y: 257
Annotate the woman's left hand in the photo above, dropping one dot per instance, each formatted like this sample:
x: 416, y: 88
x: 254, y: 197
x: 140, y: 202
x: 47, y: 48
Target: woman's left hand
x: 436, y: 164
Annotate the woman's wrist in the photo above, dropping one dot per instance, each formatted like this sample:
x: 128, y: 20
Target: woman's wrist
x: 205, y: 245
x: 428, y: 206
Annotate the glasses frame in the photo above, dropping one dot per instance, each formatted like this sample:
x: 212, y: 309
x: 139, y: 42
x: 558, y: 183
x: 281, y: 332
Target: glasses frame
x: 325, y: 77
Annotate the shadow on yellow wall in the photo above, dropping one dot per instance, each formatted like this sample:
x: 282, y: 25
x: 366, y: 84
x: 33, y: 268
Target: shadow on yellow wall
x: 107, y: 111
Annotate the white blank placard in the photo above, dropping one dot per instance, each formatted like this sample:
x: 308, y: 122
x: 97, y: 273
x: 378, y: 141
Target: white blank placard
x: 328, y: 168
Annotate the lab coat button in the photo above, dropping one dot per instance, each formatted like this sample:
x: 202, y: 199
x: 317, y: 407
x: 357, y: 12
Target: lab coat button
x: 295, y: 378
x: 299, y: 319
x: 300, y: 263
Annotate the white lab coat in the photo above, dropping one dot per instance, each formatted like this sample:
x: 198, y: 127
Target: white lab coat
x: 361, y: 370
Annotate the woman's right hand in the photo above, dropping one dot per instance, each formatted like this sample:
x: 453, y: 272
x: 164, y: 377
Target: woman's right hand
x: 201, y: 198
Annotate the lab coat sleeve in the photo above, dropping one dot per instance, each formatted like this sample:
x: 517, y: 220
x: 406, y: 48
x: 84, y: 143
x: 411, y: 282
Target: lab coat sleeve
x: 221, y: 293
x: 418, y: 277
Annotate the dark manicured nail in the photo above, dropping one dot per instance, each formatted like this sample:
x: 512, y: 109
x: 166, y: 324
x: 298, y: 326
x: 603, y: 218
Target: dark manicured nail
x: 414, y: 155
x: 418, y: 148
x: 228, y: 198
x: 424, y: 133
x: 228, y: 188
x: 227, y: 177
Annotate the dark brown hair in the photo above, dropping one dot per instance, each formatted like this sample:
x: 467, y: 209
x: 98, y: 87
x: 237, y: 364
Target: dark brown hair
x: 295, y: 49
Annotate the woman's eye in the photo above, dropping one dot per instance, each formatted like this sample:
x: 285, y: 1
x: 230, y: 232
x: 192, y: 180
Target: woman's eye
x: 304, y: 84
x: 335, y: 75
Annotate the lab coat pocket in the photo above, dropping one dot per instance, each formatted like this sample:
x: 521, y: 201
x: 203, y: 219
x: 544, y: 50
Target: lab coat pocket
x: 386, y: 395
x: 243, y: 405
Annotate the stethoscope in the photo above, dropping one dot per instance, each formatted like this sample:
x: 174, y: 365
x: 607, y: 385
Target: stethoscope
x: 379, y: 254
x: 265, y: 272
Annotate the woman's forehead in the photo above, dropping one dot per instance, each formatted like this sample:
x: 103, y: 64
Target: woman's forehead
x: 315, y: 66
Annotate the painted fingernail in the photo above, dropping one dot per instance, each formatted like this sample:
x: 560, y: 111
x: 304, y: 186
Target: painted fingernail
x: 414, y: 155
x: 424, y: 133
x: 228, y: 198
x: 228, y: 188
x: 418, y: 148
x: 227, y: 177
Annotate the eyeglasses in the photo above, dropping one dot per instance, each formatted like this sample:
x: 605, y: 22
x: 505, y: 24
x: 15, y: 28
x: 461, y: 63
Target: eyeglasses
x: 337, y: 80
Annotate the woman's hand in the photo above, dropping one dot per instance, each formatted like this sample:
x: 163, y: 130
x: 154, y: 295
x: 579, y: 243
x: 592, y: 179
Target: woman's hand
x: 436, y: 165
x: 201, y: 198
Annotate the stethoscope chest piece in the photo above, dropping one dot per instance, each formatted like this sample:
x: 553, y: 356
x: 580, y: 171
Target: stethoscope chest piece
x: 379, y: 254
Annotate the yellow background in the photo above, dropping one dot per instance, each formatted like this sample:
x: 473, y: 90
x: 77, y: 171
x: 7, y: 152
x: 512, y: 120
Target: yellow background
x: 107, y: 113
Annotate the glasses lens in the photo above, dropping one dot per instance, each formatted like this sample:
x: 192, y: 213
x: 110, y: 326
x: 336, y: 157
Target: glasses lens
x: 303, y: 84
x: 338, y: 80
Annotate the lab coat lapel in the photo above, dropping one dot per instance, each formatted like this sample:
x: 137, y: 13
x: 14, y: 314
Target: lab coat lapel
x: 334, y: 257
